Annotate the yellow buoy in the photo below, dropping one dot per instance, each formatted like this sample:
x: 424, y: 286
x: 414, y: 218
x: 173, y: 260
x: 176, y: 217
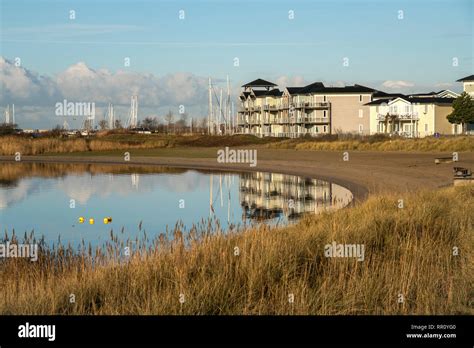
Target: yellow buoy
x: 107, y: 220
x: 91, y: 221
x: 81, y: 219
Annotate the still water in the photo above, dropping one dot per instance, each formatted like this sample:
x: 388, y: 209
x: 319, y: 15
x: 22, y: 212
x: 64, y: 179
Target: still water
x: 49, y: 199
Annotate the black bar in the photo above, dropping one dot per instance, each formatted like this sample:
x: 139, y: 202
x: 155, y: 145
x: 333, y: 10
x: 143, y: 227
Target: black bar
x: 287, y: 330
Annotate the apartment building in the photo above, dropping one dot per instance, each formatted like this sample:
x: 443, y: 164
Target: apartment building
x: 298, y: 111
x: 415, y: 115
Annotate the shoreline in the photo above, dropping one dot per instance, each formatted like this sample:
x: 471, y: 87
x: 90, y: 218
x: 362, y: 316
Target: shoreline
x: 366, y: 173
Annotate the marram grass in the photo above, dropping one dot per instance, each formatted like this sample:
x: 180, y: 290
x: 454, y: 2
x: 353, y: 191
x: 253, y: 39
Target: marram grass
x: 9, y: 145
x: 408, y: 254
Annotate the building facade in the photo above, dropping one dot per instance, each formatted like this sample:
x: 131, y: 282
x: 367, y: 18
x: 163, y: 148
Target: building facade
x: 299, y: 111
x: 315, y: 110
x: 412, y: 116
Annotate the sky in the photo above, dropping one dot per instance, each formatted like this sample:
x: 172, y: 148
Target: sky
x: 174, y: 46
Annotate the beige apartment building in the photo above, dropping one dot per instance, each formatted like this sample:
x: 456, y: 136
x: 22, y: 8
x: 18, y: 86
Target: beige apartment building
x: 298, y: 111
x: 315, y: 110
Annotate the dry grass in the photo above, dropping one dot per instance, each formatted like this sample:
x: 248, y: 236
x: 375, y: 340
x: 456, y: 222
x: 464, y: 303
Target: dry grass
x: 407, y: 251
x: 459, y: 143
x: 9, y: 145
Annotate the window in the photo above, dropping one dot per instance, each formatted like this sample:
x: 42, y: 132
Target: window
x: 361, y: 128
x: 317, y: 130
x: 324, y: 98
x: 325, y: 127
x: 360, y: 98
x: 361, y: 113
x: 324, y: 113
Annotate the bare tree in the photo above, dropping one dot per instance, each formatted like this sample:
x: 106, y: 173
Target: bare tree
x: 169, y: 117
x: 182, y: 123
x: 150, y: 122
x: 118, y: 124
x: 103, y: 124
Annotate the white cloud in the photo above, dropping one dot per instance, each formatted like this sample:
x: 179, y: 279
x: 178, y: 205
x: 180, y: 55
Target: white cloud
x: 79, y: 82
x: 291, y: 81
x: 19, y: 85
x: 444, y: 85
x: 390, y: 84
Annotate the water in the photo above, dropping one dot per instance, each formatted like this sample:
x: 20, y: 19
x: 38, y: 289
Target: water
x: 50, y: 198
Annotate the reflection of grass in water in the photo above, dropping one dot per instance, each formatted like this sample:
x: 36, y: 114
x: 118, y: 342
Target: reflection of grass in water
x: 407, y: 251
x: 15, y: 171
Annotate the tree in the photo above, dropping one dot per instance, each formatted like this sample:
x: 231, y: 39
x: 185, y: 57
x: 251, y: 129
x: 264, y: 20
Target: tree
x: 7, y: 128
x: 463, y: 111
x: 103, y: 124
x: 118, y: 124
x: 150, y: 123
x: 169, y: 117
x: 182, y: 123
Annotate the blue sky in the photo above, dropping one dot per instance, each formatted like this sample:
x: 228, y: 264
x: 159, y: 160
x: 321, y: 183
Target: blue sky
x: 418, y: 49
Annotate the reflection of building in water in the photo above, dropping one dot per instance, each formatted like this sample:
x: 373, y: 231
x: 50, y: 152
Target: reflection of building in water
x: 135, y: 180
x: 268, y: 195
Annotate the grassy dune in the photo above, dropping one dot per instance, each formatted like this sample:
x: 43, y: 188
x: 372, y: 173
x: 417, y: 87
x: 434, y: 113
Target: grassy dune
x: 9, y: 145
x: 460, y: 143
x: 408, y: 251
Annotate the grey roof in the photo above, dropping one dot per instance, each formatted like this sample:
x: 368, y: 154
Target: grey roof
x: 294, y: 90
x: 271, y: 93
x: 467, y: 78
x: 318, y: 87
x: 259, y: 83
x: 414, y: 99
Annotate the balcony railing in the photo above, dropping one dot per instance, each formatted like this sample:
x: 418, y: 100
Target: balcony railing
x: 310, y: 105
x: 283, y: 120
x: 398, y: 116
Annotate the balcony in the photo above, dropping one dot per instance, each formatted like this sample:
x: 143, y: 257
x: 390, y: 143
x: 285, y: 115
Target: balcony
x: 310, y: 105
x: 410, y: 116
x: 270, y: 108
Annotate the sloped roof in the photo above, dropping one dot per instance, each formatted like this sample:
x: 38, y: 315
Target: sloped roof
x: 271, y: 93
x: 259, y: 83
x: 415, y: 100
x: 294, y: 90
x: 467, y: 78
x: 318, y: 87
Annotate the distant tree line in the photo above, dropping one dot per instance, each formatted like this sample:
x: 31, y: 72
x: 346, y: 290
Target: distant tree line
x: 170, y: 125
